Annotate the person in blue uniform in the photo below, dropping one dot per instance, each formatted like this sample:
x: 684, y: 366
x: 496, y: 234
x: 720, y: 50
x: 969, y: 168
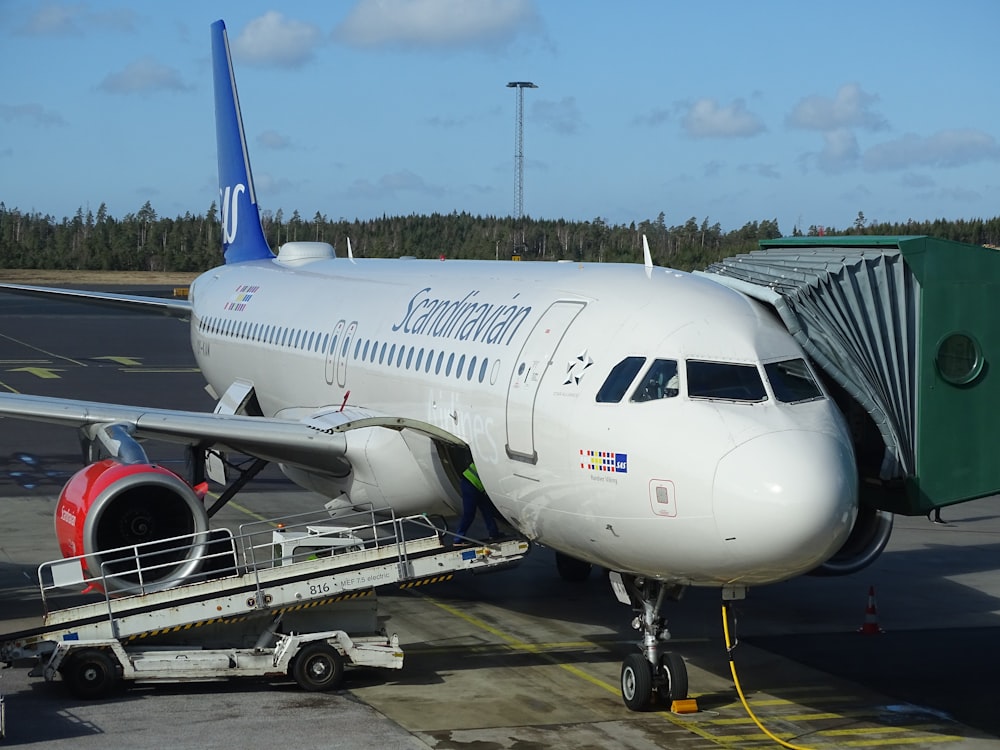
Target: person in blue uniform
x: 474, y: 498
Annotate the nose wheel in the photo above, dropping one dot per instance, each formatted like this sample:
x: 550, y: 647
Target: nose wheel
x: 654, y: 673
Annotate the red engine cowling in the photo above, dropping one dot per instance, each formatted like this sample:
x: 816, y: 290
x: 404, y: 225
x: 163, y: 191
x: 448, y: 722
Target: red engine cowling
x: 108, y: 505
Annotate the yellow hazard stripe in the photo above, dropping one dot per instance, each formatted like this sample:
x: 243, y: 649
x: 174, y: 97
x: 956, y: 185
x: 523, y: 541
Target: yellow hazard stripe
x: 244, y: 618
x: 425, y: 581
x: 324, y: 602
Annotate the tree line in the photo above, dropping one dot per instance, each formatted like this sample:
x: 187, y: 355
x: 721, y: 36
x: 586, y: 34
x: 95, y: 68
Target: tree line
x: 145, y: 241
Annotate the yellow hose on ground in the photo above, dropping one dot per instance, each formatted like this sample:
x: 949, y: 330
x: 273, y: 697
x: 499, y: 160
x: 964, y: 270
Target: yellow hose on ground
x: 739, y: 690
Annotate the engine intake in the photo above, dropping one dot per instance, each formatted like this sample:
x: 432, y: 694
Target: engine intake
x: 867, y: 540
x: 109, y: 505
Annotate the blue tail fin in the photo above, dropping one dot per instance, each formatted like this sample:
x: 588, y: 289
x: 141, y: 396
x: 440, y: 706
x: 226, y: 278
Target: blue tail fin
x: 242, y: 236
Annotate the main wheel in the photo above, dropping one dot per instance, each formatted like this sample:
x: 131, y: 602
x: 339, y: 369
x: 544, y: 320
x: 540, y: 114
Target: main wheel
x: 673, y: 683
x: 572, y: 570
x: 317, y: 667
x: 90, y: 674
x: 637, y: 682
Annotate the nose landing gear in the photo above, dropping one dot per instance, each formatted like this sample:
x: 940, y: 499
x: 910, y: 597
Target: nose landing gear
x: 654, y: 672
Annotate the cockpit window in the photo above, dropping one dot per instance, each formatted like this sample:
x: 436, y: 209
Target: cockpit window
x: 792, y: 382
x: 724, y: 381
x: 619, y: 380
x: 660, y: 381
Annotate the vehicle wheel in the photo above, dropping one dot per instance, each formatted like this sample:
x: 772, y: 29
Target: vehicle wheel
x: 674, y: 678
x: 317, y: 667
x: 637, y: 682
x: 572, y: 570
x: 90, y: 674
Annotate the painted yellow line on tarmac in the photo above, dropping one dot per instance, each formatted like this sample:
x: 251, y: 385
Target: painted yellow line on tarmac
x: 883, y: 741
x: 168, y: 370
x: 246, y: 511
x: 817, y: 716
x: 126, y: 361
x: 513, y: 642
x: 520, y: 645
x: 543, y: 651
x: 45, y: 373
x: 860, y: 730
x: 42, y: 351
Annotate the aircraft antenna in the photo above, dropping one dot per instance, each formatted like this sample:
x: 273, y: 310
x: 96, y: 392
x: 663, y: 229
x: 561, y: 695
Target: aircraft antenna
x: 519, y: 146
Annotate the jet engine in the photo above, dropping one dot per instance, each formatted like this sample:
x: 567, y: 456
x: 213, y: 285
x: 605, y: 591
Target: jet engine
x: 109, y: 505
x: 867, y: 540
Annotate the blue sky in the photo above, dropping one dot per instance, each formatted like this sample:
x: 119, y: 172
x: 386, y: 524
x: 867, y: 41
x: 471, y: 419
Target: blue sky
x: 807, y: 112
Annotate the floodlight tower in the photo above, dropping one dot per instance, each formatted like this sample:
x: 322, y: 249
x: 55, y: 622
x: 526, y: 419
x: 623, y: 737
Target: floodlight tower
x: 519, y: 146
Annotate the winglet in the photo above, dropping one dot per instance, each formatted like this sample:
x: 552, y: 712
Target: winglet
x: 350, y: 253
x: 242, y: 235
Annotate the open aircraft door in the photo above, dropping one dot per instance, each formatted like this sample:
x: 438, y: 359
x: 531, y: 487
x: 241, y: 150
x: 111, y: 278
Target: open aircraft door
x: 532, y: 363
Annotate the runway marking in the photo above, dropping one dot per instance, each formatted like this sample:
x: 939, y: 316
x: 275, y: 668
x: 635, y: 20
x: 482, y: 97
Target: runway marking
x: 167, y: 370
x: 520, y: 645
x: 783, y: 717
x: 699, y: 725
x: 42, y: 351
x: 126, y: 361
x: 882, y: 741
x: 240, y: 508
x: 45, y: 373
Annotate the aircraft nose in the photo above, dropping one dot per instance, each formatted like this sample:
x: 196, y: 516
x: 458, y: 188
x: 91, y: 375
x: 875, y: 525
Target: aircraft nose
x: 785, y: 501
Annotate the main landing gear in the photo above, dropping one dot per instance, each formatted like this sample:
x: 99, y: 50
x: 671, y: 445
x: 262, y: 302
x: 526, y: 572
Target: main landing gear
x: 654, y: 672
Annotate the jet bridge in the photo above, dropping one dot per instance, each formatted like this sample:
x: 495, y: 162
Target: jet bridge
x: 904, y: 330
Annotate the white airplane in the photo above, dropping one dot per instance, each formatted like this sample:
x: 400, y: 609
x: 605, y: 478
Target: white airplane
x: 645, y: 420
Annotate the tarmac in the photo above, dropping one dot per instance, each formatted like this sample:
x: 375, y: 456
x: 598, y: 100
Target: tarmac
x: 513, y: 660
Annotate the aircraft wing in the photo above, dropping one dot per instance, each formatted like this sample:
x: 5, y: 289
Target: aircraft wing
x: 175, y: 308
x: 310, y: 443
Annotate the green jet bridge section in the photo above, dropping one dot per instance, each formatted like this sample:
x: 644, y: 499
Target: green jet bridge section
x: 904, y: 329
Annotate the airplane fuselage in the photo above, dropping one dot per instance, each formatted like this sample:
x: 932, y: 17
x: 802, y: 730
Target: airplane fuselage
x: 539, y: 369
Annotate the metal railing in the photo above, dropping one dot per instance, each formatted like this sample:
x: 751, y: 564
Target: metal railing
x: 165, y: 564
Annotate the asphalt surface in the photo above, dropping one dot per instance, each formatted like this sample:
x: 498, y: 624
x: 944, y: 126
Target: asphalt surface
x: 518, y: 659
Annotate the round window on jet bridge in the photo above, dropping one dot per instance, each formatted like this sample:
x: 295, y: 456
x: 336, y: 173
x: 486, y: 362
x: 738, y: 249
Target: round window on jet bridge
x: 959, y: 358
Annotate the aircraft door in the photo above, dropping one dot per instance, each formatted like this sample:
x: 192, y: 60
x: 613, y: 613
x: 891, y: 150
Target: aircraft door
x: 532, y: 363
x: 331, y: 352
x: 345, y: 353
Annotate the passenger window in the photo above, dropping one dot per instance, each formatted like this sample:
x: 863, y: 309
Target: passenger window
x: 619, y: 380
x: 660, y: 381
x: 724, y: 381
x: 792, y: 382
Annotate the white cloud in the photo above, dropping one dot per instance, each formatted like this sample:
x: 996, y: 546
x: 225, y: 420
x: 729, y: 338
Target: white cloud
x: 390, y: 184
x: 273, y: 39
x: 946, y: 148
x: 62, y: 19
x: 916, y: 181
x: 436, y: 23
x: 145, y: 74
x: 706, y: 119
x: 273, y: 140
x: 770, y: 171
x: 652, y: 118
x: 840, y: 151
x: 33, y: 113
x: 562, y: 116
x: 850, y: 108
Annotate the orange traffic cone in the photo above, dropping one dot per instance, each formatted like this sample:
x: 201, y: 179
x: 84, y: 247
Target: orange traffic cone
x: 871, y: 626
